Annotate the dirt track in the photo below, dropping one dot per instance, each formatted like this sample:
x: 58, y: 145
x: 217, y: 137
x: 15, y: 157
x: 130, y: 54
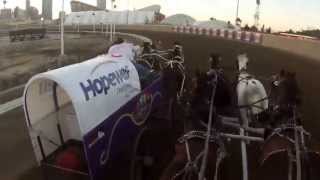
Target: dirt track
x: 264, y: 62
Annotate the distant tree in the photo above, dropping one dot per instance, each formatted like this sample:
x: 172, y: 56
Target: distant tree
x: 290, y: 31
x: 238, y: 22
x: 262, y: 29
x: 254, y: 28
x: 268, y: 30
x: 313, y: 33
x: 229, y: 24
x: 246, y: 27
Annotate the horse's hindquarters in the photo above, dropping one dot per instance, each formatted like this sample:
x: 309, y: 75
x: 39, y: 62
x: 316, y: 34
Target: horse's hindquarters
x: 278, y: 160
x: 275, y: 167
x: 251, y: 97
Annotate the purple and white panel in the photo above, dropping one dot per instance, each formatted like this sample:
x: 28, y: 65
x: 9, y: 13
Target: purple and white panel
x: 244, y: 36
x: 208, y: 32
x: 258, y: 38
x: 238, y: 35
x: 175, y: 29
x: 247, y: 36
x: 230, y: 34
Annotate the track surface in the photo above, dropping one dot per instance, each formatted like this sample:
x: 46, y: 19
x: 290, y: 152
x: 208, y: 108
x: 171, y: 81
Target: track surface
x: 264, y: 62
x: 16, y: 153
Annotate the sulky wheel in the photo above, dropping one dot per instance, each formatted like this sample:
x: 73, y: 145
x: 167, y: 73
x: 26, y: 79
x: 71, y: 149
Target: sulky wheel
x: 150, y: 154
x: 141, y: 160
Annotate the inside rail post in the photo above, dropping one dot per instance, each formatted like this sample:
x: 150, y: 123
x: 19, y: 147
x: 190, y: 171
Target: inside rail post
x: 62, y: 29
x: 107, y: 29
x: 244, y: 157
x: 101, y: 28
x: 113, y: 30
x: 110, y: 32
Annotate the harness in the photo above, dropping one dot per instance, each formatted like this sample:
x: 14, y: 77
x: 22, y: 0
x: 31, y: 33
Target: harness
x: 209, y: 136
x: 176, y: 62
x: 285, y: 127
x: 292, y: 158
x: 192, y: 164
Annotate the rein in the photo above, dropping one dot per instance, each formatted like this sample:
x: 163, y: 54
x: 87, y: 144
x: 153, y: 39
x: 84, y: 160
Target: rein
x: 198, y: 134
x: 208, y: 137
x: 206, y: 147
x: 192, y: 164
x: 253, y: 104
x: 278, y: 131
x: 176, y: 60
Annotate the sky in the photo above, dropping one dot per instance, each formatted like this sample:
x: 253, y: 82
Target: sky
x: 279, y: 14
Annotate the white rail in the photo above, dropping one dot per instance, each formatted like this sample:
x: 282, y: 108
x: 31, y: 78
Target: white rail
x: 11, y: 105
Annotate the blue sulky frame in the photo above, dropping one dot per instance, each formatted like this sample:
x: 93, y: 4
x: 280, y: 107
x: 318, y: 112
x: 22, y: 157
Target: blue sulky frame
x: 105, y: 145
x: 110, y: 142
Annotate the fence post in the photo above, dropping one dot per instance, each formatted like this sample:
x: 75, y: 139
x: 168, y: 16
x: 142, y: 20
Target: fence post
x: 107, y: 29
x: 110, y: 32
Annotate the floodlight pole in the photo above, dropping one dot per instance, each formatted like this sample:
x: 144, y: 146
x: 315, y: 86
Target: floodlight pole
x: 4, y: 4
x: 128, y: 13
x: 113, y: 24
x: 94, y: 21
x: 237, y: 13
x: 62, y: 29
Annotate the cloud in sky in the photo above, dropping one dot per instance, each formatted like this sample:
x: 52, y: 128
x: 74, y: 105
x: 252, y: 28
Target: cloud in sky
x: 279, y: 14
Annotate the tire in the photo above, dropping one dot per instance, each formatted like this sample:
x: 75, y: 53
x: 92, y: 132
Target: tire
x: 149, y: 156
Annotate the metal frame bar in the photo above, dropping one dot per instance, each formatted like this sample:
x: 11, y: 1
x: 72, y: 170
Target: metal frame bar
x: 242, y: 137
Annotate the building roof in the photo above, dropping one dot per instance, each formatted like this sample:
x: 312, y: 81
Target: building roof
x: 154, y: 8
x: 179, y: 19
x: 215, y: 24
x: 77, y: 6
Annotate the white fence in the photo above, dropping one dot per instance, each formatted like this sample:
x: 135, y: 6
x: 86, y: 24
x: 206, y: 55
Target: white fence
x: 103, y: 17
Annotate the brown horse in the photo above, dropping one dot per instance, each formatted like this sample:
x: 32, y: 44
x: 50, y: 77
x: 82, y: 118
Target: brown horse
x: 286, y: 152
x: 155, y: 143
x: 190, y: 149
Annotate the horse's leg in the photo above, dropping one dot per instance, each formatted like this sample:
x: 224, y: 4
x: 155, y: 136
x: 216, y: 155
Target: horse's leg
x: 290, y: 165
x: 177, y: 164
x: 171, y: 170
